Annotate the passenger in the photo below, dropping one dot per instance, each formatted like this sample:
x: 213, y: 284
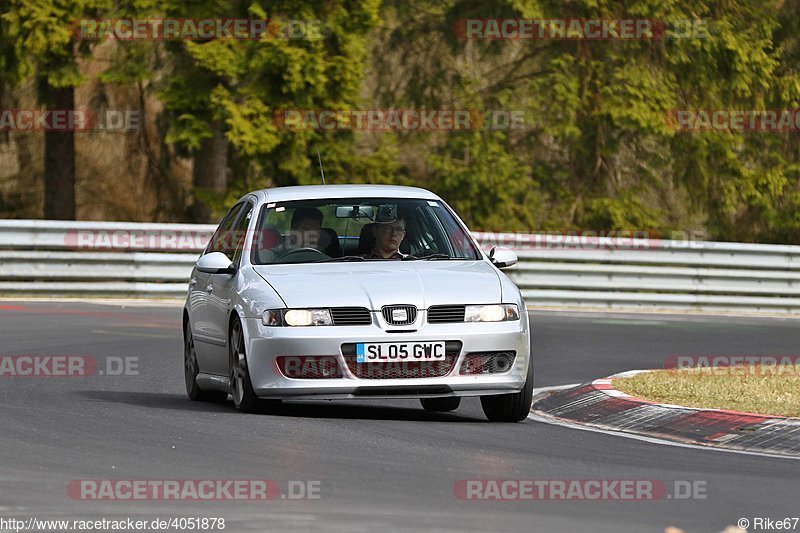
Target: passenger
x: 388, y: 236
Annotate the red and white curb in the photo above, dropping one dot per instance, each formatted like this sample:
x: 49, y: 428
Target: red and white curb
x: 598, y: 406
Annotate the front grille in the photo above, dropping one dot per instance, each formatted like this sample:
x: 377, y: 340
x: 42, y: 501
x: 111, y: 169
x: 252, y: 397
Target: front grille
x: 488, y: 362
x: 440, y: 314
x: 389, y: 310
x: 351, y: 316
x: 401, y: 370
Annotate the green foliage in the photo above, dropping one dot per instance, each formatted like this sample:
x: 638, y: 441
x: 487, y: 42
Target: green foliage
x: 244, y: 83
x: 598, y: 150
x: 42, y: 33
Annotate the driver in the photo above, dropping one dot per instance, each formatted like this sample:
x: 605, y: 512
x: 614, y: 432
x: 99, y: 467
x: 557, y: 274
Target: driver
x: 306, y: 228
x: 388, y: 236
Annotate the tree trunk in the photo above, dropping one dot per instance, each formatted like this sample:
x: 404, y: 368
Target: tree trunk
x: 59, y: 162
x: 210, y: 171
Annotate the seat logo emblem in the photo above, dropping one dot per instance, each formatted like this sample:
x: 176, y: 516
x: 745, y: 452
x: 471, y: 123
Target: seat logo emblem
x: 399, y: 315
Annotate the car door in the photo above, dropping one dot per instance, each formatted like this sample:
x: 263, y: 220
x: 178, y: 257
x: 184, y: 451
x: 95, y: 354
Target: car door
x: 222, y: 292
x: 200, y: 291
x: 197, y: 304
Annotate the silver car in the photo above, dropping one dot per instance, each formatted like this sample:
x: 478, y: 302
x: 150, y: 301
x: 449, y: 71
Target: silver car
x: 354, y: 291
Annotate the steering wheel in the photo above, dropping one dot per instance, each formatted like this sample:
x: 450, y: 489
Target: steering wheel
x: 305, y: 249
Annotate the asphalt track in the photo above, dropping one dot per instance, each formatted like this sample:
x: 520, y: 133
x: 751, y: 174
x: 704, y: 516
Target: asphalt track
x: 381, y: 464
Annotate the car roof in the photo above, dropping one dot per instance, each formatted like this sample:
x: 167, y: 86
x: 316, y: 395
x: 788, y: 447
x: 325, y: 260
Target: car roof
x: 313, y: 192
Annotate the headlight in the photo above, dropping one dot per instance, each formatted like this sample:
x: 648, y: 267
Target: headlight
x: 307, y: 317
x: 297, y: 317
x: 491, y: 313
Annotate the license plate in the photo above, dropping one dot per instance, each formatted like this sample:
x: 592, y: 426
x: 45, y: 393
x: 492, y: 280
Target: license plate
x: 399, y: 351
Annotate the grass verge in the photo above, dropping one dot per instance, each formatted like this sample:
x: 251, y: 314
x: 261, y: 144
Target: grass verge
x: 768, y: 390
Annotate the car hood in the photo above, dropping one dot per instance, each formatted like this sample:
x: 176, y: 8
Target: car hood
x: 373, y: 284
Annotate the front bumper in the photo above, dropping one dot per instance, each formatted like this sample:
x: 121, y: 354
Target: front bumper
x: 267, y: 343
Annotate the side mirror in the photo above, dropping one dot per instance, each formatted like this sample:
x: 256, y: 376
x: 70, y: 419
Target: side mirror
x: 502, y: 257
x: 215, y: 263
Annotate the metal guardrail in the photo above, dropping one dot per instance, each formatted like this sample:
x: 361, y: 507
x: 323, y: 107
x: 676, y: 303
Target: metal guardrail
x: 120, y: 259
x: 154, y: 260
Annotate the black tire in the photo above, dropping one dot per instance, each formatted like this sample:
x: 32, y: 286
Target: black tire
x: 441, y: 405
x: 190, y: 371
x: 512, y: 407
x: 244, y: 398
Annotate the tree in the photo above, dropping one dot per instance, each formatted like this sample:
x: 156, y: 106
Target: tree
x: 45, y: 47
x: 225, y: 92
x: 599, y: 152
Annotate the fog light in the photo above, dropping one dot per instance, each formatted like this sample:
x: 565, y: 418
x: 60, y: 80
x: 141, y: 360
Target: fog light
x: 488, y: 362
x: 501, y: 363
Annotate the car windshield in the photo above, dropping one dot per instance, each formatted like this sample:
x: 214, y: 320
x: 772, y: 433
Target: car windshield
x: 359, y: 229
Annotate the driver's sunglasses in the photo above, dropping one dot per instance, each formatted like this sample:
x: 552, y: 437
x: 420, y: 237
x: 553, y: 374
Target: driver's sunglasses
x: 396, y: 230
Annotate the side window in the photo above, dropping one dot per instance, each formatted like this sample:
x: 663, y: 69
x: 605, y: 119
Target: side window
x: 456, y: 238
x: 429, y: 232
x: 240, y: 232
x: 223, y: 240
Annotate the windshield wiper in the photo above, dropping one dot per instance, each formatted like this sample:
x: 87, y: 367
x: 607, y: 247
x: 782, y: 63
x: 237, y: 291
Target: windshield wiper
x: 342, y: 259
x: 427, y: 257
